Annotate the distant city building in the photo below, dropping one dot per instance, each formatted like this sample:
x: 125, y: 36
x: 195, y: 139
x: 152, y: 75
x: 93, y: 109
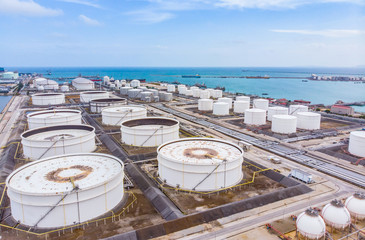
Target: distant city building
x: 341, y: 109
x: 302, y: 102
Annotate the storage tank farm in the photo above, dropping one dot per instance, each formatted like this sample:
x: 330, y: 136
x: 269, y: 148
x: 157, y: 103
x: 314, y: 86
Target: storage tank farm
x: 115, y: 115
x: 96, y: 105
x: 45, y: 99
x: 65, y: 190
x: 188, y: 164
x: 54, y: 117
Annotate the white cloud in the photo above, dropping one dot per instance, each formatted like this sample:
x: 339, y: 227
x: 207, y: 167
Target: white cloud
x: 324, y: 33
x: 82, y: 2
x: 150, y: 16
x: 26, y: 8
x: 89, y: 21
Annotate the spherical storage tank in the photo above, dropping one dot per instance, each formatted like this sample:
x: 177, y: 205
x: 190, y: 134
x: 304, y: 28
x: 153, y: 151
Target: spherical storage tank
x: 336, y: 215
x: 226, y: 100
x: 56, y: 140
x: 44, y: 99
x: 310, y: 224
x: 205, y: 104
x: 115, y: 115
x: 255, y: 116
x: 261, y: 104
x: 356, y: 205
x: 86, y: 97
x: 357, y: 143
x: 240, y: 106
x: 96, y: 105
x: 220, y: 108
x: 284, y: 124
x: 150, y: 131
x: 54, y: 117
x: 295, y: 109
x: 200, y: 164
x: 41, y: 192
x: 309, y: 120
x: 276, y: 111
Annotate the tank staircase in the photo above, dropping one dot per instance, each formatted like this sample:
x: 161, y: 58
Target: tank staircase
x: 121, y: 119
x: 149, y: 137
x: 62, y: 137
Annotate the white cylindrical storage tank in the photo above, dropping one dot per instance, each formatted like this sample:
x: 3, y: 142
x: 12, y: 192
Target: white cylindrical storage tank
x: 243, y: 98
x: 54, y: 117
x: 85, y: 97
x: 336, y: 215
x: 309, y: 120
x: 189, y: 92
x: 150, y: 131
x: 310, y: 224
x: 135, y: 83
x: 106, y: 79
x: 180, y: 86
x: 255, y: 116
x: 41, y: 193
x: 96, y: 105
x: 227, y: 100
x: 182, y: 90
x: 124, y: 90
x: 168, y: 97
x: 284, y: 124
x: 134, y: 93
x: 261, y: 104
x: 217, y: 93
x: 115, y: 115
x: 205, y: 104
x: 154, y: 92
x: 220, y: 108
x: 240, y: 106
x: 65, y: 88
x: 184, y: 163
x: 146, y: 96
x: 171, y: 88
x: 211, y: 91
x: 196, y: 92
x: 56, y: 140
x: 356, y: 205
x: 357, y: 143
x: 295, y: 109
x: 45, y: 99
x: 204, y: 94
x: 276, y: 111
x: 194, y: 87
x: 83, y: 84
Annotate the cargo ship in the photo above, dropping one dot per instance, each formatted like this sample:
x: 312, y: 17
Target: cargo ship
x: 191, y: 76
x: 264, y: 77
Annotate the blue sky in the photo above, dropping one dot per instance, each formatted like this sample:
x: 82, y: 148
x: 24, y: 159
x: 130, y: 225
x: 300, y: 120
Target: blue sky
x: 182, y: 33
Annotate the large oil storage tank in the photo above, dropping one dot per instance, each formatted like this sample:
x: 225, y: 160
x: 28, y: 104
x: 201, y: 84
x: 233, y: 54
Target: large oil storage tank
x: 276, y: 111
x: 171, y: 88
x: 217, y: 93
x: 115, y: 115
x: 295, y: 109
x: 124, y: 90
x: 356, y: 205
x: 42, y: 194
x: 86, y: 97
x: 189, y: 92
x: 255, y: 116
x: 240, y: 106
x: 134, y: 93
x: 54, y: 117
x: 96, y: 105
x: 310, y: 225
x: 150, y: 131
x: 220, y: 108
x: 309, y: 120
x: 196, y: 92
x: 83, y: 84
x: 226, y: 100
x: 284, y: 124
x: 204, y: 94
x: 205, y: 104
x: 135, y: 83
x: 45, y: 99
x: 336, y: 215
x: 243, y: 98
x: 261, y: 104
x: 200, y: 164
x: 182, y: 90
x: 357, y: 143
x: 55, y: 140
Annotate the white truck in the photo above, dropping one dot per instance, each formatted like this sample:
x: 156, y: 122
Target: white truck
x: 301, y: 176
x: 274, y: 159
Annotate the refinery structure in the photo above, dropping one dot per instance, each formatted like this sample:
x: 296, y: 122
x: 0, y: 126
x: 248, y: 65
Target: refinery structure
x: 130, y: 159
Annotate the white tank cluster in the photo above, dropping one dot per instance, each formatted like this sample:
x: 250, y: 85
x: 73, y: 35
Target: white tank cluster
x: 45, y: 99
x: 255, y: 116
x: 310, y: 224
x: 240, y: 106
x: 83, y: 84
x: 284, y: 124
x: 336, y: 215
x: 309, y: 120
x: 56, y: 140
x: 276, y: 111
x: 96, y: 105
x: 65, y: 190
x: 205, y: 105
x: 200, y: 164
x: 46, y: 84
x: 86, y: 97
x: 295, y: 109
x: 150, y: 131
x: 226, y: 100
x: 124, y: 90
x: 115, y: 115
x: 135, y: 83
x: 357, y: 143
x: 220, y: 108
x: 261, y: 104
x: 53, y: 117
x: 355, y: 204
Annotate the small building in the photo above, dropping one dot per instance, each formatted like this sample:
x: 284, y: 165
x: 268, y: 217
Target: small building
x: 341, y: 109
